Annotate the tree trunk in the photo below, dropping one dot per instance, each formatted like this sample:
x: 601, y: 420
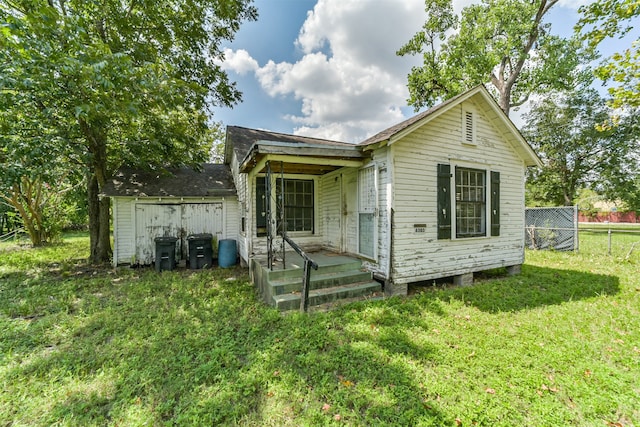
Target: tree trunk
x: 505, y: 98
x: 27, y: 208
x: 99, y: 214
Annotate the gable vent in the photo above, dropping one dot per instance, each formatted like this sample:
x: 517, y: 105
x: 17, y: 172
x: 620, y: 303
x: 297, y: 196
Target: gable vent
x: 469, y: 137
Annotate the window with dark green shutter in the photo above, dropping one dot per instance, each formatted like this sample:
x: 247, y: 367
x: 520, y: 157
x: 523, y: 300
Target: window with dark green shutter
x: 298, y: 204
x: 475, y: 190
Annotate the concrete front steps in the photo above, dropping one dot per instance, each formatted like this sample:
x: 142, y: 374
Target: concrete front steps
x: 338, y: 278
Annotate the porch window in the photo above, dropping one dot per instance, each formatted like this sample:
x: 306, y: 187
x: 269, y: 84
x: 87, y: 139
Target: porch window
x: 298, y: 204
x: 470, y: 202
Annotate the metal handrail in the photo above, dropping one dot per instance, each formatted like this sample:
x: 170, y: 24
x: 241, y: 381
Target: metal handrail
x: 308, y: 262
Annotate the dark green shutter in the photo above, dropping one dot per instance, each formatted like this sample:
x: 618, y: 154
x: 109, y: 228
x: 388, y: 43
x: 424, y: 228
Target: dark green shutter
x: 495, y: 203
x: 444, y: 201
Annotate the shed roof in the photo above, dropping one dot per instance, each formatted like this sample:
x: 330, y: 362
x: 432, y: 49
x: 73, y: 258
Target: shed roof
x: 213, y: 180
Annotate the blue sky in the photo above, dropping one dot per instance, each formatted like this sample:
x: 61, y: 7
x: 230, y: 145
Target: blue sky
x: 328, y: 69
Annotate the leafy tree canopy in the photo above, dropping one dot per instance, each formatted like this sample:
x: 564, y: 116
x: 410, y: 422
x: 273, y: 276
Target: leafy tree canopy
x: 577, y: 152
x: 110, y: 82
x: 615, y: 18
x: 502, y: 42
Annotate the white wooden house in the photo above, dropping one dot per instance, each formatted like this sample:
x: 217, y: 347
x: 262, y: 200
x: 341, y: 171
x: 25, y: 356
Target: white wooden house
x: 438, y: 195
x: 173, y: 202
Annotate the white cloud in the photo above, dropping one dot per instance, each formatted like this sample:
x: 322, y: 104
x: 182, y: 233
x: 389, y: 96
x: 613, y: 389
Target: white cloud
x: 239, y: 61
x: 349, y: 80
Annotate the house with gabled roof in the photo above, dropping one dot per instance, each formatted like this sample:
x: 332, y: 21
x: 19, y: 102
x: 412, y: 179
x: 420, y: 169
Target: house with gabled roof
x: 438, y: 195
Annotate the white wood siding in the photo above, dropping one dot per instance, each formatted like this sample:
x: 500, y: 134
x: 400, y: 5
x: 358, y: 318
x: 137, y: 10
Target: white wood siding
x: 231, y: 215
x: 331, y: 210
x: 420, y: 255
x: 243, y: 208
x: 124, y: 248
x: 350, y: 211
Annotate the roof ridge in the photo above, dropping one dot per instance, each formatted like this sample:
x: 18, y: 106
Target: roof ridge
x: 289, y: 134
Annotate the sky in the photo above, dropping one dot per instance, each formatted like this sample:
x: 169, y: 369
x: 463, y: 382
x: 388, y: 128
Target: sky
x: 328, y: 68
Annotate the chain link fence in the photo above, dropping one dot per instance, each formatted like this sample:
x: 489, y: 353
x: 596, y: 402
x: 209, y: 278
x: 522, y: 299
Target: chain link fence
x: 552, y: 228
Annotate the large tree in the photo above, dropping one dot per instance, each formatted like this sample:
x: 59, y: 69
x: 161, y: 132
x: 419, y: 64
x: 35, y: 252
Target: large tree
x: 577, y: 152
x: 502, y: 42
x: 604, y: 19
x: 116, y: 81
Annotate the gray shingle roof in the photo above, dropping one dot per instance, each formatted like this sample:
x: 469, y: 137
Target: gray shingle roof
x: 241, y: 139
x: 214, y: 180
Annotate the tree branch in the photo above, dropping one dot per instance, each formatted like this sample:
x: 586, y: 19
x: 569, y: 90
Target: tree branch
x: 521, y: 101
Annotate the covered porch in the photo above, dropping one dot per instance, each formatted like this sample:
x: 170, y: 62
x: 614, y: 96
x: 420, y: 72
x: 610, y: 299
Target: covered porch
x: 308, y: 197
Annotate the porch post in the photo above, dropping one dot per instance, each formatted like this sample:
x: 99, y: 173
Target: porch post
x: 267, y: 191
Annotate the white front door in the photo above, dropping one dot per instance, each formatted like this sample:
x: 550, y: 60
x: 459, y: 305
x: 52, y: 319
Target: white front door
x: 367, y: 212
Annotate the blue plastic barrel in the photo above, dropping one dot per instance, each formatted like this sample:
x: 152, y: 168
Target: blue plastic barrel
x: 227, y: 253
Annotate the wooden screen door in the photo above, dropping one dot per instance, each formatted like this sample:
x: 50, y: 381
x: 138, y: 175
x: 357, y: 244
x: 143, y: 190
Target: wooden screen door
x: 367, y: 209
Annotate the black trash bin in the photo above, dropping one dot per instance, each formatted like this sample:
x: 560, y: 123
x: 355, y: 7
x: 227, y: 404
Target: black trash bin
x: 165, y: 253
x: 200, y: 250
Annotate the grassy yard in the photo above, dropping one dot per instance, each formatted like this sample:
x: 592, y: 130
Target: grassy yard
x: 557, y: 345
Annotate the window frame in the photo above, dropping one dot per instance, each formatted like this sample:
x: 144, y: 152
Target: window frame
x: 447, y: 212
x: 261, y: 231
x: 469, y: 185
x: 288, y: 195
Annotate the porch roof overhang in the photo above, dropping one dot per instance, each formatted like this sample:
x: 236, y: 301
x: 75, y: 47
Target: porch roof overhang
x: 308, y: 159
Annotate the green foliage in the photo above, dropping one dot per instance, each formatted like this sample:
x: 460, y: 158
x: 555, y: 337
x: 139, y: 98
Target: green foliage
x: 604, y: 19
x: 555, y: 345
x: 586, y: 199
x: 565, y: 130
x: 502, y: 42
x: 102, y: 84
x: 218, y: 134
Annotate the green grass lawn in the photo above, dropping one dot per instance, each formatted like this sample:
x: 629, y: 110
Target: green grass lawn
x: 557, y: 345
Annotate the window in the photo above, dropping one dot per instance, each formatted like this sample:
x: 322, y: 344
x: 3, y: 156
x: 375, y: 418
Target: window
x: 470, y: 202
x: 470, y: 198
x: 298, y: 203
